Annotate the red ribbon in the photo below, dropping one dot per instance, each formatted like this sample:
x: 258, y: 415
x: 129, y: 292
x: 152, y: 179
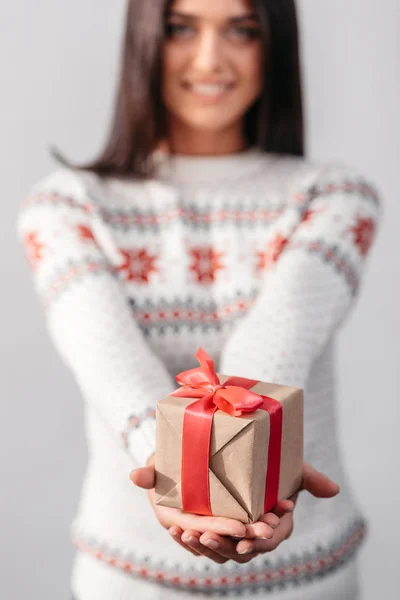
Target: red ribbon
x: 235, y: 398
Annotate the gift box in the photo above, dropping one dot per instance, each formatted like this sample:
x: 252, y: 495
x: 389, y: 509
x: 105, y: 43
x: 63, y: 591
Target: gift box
x: 228, y: 446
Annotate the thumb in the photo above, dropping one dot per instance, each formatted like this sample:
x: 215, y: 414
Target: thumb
x: 318, y: 484
x: 144, y: 477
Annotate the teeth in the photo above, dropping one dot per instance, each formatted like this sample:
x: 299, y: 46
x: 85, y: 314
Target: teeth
x: 209, y: 89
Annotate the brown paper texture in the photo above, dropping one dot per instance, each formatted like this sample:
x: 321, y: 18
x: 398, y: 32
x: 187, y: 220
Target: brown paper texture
x: 238, y: 453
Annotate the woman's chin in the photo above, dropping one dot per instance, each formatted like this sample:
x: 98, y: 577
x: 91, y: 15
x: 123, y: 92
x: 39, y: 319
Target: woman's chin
x: 209, y: 123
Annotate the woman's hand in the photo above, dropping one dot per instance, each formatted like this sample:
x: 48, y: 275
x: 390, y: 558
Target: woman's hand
x: 176, y: 521
x: 220, y: 547
x: 315, y: 483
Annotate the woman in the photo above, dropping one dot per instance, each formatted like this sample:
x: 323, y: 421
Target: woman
x: 202, y: 224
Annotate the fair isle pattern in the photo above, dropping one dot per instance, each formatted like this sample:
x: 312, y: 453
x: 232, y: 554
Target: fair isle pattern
x: 206, y: 262
x: 55, y: 198
x: 143, y: 219
x: 137, y: 264
x: 74, y: 271
x: 193, y: 216
x: 270, y: 254
x: 165, y: 314
x: 347, y: 186
x: 296, y: 569
x: 134, y: 421
x: 332, y: 256
x: 188, y: 216
x: 363, y: 233
x: 33, y: 249
x: 190, y: 314
x: 176, y: 314
x: 168, y: 314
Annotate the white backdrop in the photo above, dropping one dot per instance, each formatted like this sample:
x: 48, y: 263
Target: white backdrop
x: 58, y: 64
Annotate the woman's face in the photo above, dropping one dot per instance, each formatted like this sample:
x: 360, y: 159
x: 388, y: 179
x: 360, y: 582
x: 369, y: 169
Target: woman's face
x: 212, y: 63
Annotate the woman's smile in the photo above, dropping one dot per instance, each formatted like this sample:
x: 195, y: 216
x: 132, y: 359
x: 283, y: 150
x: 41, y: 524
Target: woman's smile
x: 209, y: 92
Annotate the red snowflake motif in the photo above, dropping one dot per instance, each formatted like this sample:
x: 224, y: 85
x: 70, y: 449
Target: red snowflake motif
x: 34, y: 249
x: 269, y: 256
x: 206, y: 263
x: 363, y: 234
x: 137, y: 265
x: 85, y: 233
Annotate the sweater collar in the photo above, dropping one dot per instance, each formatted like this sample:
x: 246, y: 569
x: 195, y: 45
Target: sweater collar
x: 185, y: 168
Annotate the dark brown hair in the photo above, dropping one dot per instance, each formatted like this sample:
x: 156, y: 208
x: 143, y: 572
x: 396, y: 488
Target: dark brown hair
x: 274, y: 123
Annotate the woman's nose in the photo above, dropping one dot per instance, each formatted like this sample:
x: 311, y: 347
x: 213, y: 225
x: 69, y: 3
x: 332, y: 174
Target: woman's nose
x: 208, y: 56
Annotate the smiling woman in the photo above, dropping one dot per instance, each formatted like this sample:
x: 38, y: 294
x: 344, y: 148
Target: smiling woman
x: 248, y: 49
x: 212, y: 73
x: 202, y: 224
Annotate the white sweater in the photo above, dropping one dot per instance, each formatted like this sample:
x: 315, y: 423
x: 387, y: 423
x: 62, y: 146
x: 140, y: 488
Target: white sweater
x: 255, y: 257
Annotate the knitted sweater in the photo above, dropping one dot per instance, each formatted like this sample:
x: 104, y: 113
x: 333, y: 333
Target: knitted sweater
x: 255, y: 257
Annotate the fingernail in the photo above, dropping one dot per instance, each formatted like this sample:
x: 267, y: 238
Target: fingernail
x: 246, y: 551
x: 190, y: 539
x: 265, y: 538
x: 211, y: 544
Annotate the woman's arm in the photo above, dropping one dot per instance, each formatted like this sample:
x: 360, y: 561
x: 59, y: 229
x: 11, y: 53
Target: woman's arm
x: 314, y: 264
x: 87, y: 313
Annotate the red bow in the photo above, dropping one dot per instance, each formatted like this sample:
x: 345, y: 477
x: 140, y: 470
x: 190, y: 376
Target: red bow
x: 203, y: 382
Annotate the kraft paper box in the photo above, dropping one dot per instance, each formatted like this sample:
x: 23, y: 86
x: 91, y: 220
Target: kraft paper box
x: 238, y: 453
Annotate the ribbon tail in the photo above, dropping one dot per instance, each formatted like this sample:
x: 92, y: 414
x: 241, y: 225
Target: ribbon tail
x: 195, y: 483
x: 274, y: 408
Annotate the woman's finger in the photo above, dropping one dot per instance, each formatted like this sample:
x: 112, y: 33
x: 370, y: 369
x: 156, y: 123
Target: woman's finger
x: 265, y: 526
x: 260, y: 529
x: 220, y: 525
x: 284, y: 507
x: 224, y: 546
x: 191, y: 539
x: 144, y: 477
x: 270, y: 519
x: 176, y: 533
x: 282, y: 532
x: 317, y: 483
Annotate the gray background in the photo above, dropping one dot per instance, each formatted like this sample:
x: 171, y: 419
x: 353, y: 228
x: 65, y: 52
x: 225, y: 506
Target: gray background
x: 58, y: 64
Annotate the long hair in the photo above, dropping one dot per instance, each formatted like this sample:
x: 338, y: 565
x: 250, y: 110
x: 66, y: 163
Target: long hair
x: 273, y: 124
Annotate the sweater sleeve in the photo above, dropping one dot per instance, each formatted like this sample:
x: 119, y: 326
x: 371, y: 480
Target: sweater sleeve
x: 87, y: 313
x: 314, y: 261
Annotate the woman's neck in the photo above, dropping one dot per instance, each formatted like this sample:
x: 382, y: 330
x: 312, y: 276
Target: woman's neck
x: 185, y: 140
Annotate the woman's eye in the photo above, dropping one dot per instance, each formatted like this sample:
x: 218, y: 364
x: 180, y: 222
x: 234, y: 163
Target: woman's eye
x: 178, y: 31
x: 242, y: 33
